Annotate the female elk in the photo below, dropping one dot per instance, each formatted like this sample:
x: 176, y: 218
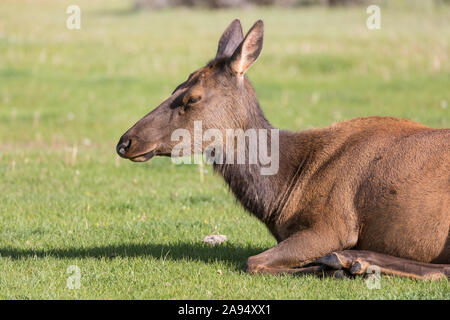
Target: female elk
x: 368, y: 191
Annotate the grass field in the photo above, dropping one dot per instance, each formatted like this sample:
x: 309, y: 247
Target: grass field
x: 135, y: 230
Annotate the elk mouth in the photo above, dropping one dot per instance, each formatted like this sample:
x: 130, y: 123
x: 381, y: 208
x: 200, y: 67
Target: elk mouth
x: 143, y: 156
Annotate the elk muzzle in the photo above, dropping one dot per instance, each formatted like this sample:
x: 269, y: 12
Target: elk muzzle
x: 130, y: 147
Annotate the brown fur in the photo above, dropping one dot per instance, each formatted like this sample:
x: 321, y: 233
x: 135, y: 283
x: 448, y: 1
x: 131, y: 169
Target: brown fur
x: 379, y: 184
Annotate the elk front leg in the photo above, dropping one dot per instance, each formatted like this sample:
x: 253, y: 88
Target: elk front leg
x: 301, y: 248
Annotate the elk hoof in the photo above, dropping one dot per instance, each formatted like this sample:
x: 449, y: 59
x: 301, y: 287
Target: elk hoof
x: 356, y: 268
x: 340, y: 274
x: 359, y: 267
x: 331, y: 260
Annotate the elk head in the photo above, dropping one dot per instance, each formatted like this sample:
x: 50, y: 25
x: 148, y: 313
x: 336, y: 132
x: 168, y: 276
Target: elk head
x: 217, y: 94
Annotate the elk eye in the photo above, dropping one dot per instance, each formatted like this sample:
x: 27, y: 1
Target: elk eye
x: 193, y: 100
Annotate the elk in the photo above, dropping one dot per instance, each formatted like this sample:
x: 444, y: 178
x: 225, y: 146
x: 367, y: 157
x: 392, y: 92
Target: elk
x: 369, y: 191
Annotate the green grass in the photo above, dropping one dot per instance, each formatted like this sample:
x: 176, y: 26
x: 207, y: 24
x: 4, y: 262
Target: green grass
x: 135, y: 230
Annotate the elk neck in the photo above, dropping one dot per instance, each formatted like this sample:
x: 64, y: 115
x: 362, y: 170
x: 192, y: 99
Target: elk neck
x: 265, y: 195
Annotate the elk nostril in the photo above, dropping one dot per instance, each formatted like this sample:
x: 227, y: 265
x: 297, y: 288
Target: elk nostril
x: 123, y: 147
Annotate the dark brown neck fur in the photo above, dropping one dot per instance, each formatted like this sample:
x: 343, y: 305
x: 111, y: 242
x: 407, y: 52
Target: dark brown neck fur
x: 264, y: 195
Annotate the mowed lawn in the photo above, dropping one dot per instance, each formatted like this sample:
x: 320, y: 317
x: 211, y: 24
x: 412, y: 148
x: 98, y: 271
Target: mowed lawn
x: 135, y: 230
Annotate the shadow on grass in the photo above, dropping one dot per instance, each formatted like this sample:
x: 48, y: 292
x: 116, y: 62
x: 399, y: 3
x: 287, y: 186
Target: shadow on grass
x: 235, y: 255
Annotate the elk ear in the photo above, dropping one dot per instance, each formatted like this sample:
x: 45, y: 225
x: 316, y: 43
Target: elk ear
x: 230, y: 39
x: 249, y: 50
